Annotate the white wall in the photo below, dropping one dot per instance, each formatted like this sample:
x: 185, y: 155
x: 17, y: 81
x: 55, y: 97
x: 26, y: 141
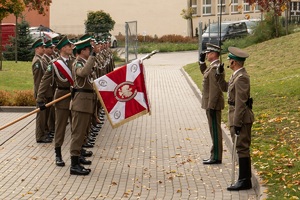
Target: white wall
x: 158, y: 17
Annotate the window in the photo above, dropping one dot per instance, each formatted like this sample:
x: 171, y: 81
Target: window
x: 234, y: 6
x: 206, y: 7
x: 223, y: 6
x: 246, y: 6
x: 194, y: 7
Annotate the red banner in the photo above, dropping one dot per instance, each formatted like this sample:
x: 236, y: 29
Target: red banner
x: 123, y: 93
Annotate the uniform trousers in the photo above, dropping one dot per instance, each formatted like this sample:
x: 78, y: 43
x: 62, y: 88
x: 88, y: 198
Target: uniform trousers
x: 41, y: 125
x: 61, y: 121
x: 80, y: 124
x: 214, y: 122
x: 243, y: 141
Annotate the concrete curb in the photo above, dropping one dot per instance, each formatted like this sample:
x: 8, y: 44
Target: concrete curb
x: 226, y: 136
x: 16, y: 108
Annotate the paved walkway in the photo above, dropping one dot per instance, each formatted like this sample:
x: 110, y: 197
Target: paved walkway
x: 153, y: 157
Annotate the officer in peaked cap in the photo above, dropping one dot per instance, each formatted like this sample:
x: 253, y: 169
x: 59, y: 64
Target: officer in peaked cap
x: 240, y: 115
x: 212, y: 101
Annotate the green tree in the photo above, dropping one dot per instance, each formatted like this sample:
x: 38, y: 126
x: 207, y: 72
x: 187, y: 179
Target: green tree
x: 24, y: 42
x: 16, y: 7
x: 276, y: 7
x: 188, y: 15
x: 99, y: 23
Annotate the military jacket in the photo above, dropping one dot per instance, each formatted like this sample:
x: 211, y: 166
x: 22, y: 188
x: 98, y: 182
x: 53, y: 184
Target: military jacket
x: 38, y: 69
x: 83, y: 97
x: 53, y: 75
x: 238, y: 89
x: 212, y: 95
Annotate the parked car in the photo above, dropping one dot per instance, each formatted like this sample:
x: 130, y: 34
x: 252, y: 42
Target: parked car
x: 42, y: 31
x: 113, y: 42
x: 251, y: 24
x: 229, y: 30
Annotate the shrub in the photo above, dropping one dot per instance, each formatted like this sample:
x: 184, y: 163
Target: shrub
x: 4, y: 98
x: 24, y: 98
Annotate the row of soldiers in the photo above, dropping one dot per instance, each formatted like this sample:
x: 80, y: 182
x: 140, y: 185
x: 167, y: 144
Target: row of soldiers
x: 61, y: 67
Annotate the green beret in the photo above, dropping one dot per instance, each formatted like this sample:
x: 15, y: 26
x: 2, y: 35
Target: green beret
x: 37, y: 43
x: 63, y: 42
x: 83, y: 43
x: 237, y: 54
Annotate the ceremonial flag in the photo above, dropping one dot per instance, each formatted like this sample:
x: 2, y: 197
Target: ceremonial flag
x: 123, y: 94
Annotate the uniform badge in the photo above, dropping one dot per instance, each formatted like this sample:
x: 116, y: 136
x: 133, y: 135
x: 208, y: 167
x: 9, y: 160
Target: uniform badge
x: 36, y: 65
x: 49, y: 68
x: 78, y: 65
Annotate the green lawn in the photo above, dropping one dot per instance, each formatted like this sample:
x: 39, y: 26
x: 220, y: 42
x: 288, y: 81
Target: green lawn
x: 16, y: 76
x: 275, y: 88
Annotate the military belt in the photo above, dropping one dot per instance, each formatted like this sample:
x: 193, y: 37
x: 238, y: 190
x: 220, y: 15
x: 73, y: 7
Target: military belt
x: 82, y: 90
x: 63, y: 88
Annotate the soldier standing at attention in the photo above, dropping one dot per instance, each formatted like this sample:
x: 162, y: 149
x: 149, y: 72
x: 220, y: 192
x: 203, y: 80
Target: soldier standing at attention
x: 240, y: 115
x: 212, y: 101
x: 47, y: 57
x: 82, y: 104
x: 38, y: 70
x: 59, y: 72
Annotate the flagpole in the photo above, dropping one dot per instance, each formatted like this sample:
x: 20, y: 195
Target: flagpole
x: 35, y: 111
x: 220, y: 42
x: 149, y: 55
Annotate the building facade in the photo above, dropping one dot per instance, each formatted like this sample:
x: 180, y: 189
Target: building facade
x: 206, y: 11
x: 154, y: 17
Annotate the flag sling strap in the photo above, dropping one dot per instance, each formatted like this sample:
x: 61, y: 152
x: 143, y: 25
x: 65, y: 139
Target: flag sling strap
x: 63, y: 68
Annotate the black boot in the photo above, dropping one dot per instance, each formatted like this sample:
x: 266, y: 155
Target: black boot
x: 86, y: 153
x: 76, y: 168
x: 58, y: 158
x: 84, y: 161
x: 244, y: 181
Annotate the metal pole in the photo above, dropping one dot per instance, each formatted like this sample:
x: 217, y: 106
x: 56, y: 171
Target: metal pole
x: 220, y: 28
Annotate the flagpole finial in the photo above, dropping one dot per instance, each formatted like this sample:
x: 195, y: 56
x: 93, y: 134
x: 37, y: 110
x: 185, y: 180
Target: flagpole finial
x: 149, y: 55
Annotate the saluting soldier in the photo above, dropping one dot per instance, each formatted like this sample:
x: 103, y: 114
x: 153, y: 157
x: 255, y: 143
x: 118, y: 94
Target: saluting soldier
x: 82, y: 104
x: 38, y: 70
x: 59, y: 72
x: 240, y: 115
x: 212, y: 101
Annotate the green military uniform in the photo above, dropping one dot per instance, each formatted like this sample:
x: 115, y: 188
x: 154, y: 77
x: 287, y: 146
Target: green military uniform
x: 82, y: 104
x: 213, y: 103
x: 240, y: 115
x: 62, y: 112
x: 50, y: 110
x: 38, y: 70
